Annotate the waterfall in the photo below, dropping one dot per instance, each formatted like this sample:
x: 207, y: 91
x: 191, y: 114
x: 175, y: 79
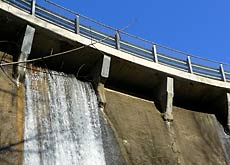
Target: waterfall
x: 61, y: 121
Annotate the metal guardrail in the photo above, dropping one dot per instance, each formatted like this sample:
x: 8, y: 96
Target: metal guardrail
x: 126, y: 42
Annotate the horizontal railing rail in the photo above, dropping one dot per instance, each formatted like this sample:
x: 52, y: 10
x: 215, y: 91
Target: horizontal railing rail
x: 125, y: 42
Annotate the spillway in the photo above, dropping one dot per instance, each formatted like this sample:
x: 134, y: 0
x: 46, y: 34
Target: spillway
x: 62, y: 123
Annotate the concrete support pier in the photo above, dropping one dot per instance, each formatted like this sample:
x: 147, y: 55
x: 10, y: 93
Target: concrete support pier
x: 228, y: 109
x: 25, y: 51
x: 100, y: 74
x: 166, y: 95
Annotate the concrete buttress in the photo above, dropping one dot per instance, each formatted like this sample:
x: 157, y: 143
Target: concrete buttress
x: 166, y: 95
x: 25, y: 51
x: 100, y: 74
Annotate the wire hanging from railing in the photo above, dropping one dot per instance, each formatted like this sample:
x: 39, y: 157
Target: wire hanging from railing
x: 124, y: 45
x: 137, y: 37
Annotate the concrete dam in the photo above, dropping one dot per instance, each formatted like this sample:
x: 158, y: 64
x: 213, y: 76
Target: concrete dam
x: 76, y: 91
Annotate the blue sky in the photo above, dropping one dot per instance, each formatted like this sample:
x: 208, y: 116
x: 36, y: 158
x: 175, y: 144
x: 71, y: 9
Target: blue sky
x: 199, y: 27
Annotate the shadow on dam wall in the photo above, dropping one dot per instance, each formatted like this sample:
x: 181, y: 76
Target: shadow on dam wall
x: 131, y: 127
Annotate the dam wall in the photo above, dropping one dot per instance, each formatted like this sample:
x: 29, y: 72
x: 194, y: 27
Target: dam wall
x: 12, y: 115
x: 132, y: 129
x: 136, y: 110
x: 192, y: 138
x: 52, y: 118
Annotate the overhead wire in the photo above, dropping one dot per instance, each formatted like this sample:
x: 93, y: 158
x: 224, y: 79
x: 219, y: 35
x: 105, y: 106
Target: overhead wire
x: 3, y: 70
x: 67, y: 51
x: 43, y: 58
x: 53, y: 55
x: 137, y: 37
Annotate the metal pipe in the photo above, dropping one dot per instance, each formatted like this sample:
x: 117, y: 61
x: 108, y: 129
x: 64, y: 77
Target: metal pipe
x: 117, y: 39
x: 222, y: 72
x: 154, y: 50
x: 77, y: 28
x: 189, y: 65
x: 33, y: 7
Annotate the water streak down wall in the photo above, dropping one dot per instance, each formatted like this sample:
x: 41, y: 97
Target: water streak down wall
x: 61, y: 121
x: 144, y: 138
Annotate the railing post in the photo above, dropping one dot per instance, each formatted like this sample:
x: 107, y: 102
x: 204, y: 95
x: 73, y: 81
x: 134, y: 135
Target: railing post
x: 117, y: 39
x: 189, y: 65
x: 154, y: 51
x: 77, y: 25
x: 33, y: 4
x: 222, y: 72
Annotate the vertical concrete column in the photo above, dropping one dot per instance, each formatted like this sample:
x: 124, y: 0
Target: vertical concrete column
x: 154, y: 51
x: 104, y: 74
x: 77, y: 24
x: 105, y: 67
x: 25, y: 51
x: 189, y: 63
x: 33, y: 7
x: 222, y: 73
x: 228, y: 109
x: 117, y: 40
x: 166, y: 95
x: 99, y: 74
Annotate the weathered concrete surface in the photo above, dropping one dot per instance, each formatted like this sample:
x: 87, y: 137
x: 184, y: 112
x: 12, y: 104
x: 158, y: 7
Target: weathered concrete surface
x: 111, y: 147
x: 11, y: 117
x: 166, y: 95
x: 140, y: 128
x: 25, y: 51
x: 197, y: 136
x: 131, y: 125
x: 192, y: 138
x: 225, y: 139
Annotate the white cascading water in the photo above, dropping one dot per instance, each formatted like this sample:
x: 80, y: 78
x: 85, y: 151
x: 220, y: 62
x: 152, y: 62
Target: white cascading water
x: 61, y: 122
